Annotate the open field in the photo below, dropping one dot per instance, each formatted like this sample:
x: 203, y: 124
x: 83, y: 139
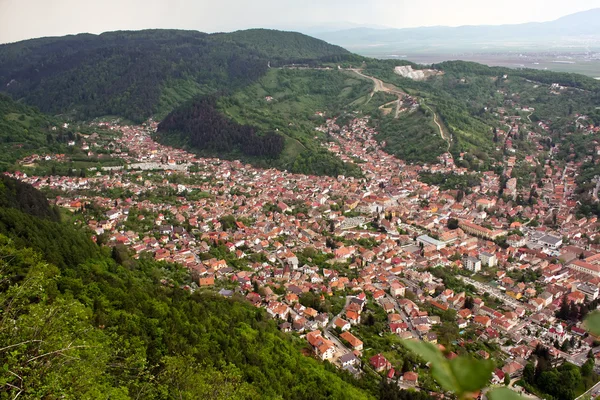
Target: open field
x: 581, y: 62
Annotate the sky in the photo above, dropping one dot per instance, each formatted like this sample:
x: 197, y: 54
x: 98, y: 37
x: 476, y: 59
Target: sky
x: 25, y: 19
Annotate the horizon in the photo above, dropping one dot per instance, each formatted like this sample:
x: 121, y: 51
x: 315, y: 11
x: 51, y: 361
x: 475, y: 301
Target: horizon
x: 71, y: 17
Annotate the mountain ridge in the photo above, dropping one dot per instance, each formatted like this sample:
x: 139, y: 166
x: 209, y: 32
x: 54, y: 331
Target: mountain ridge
x: 138, y: 74
x: 585, y: 22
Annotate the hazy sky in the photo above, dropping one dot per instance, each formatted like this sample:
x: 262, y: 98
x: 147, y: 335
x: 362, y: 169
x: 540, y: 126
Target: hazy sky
x: 23, y: 19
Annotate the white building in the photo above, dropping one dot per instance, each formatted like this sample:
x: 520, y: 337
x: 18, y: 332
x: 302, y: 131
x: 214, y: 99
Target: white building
x: 429, y: 241
x: 488, y: 259
x: 472, y: 264
x: 591, y: 291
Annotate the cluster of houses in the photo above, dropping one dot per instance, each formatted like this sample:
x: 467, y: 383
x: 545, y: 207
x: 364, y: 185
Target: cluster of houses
x: 398, y: 230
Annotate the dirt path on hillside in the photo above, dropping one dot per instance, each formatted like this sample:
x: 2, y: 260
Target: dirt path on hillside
x: 380, y: 86
x: 448, y: 140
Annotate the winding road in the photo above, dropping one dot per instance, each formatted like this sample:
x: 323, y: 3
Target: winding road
x: 380, y: 86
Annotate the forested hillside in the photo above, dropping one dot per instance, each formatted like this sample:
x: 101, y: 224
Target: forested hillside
x: 209, y: 130
x: 22, y: 130
x: 132, y: 330
x: 468, y: 97
x: 272, y: 122
x: 144, y: 73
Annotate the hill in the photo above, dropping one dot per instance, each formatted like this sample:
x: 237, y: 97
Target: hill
x: 143, y: 73
x: 25, y: 130
x: 468, y: 96
x: 271, y: 123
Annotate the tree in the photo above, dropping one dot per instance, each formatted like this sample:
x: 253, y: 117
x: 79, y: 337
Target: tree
x: 563, y: 312
x: 529, y: 373
x: 469, y: 302
x: 573, y: 312
x: 506, y: 379
x: 452, y: 223
x: 587, y: 369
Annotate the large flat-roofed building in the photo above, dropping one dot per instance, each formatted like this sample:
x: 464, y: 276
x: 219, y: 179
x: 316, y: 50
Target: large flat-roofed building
x: 590, y: 291
x: 547, y: 241
x: 429, y: 241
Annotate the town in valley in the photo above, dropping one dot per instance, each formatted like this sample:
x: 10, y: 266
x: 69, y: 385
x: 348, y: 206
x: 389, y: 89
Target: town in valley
x: 354, y: 266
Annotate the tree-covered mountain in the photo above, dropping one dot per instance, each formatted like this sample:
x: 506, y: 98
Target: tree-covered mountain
x: 142, y: 73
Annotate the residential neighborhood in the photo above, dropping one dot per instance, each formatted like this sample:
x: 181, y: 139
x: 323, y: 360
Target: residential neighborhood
x: 355, y: 266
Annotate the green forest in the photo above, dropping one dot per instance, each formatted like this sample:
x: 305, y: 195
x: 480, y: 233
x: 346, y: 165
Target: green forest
x: 144, y: 73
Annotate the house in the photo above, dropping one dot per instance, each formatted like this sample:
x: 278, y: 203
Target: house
x: 354, y: 342
x: 324, y: 348
x: 516, y: 241
x: 342, y: 324
x: 353, y: 317
x: 208, y: 281
x: 397, y: 289
x: 379, y: 294
x: 513, y: 369
x: 410, y: 378
x: 482, y: 320
x: 379, y: 363
x: 349, y: 359
x: 430, y: 338
x: 388, y: 307
x: 537, y: 303
x: 498, y: 377
x: 398, y: 327
x: 285, y: 327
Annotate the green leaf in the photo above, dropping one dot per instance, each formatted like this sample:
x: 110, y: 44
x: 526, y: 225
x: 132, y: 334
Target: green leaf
x: 471, y: 374
x: 440, y: 368
x: 592, y: 323
x: 426, y: 351
x: 504, y: 394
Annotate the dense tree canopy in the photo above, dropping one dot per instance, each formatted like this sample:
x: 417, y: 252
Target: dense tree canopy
x: 138, y: 74
x: 208, y: 130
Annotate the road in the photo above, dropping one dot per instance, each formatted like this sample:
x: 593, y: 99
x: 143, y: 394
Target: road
x: 341, y: 348
x: 400, y: 311
x: 593, y: 392
x: 380, y: 87
x: 338, y: 344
